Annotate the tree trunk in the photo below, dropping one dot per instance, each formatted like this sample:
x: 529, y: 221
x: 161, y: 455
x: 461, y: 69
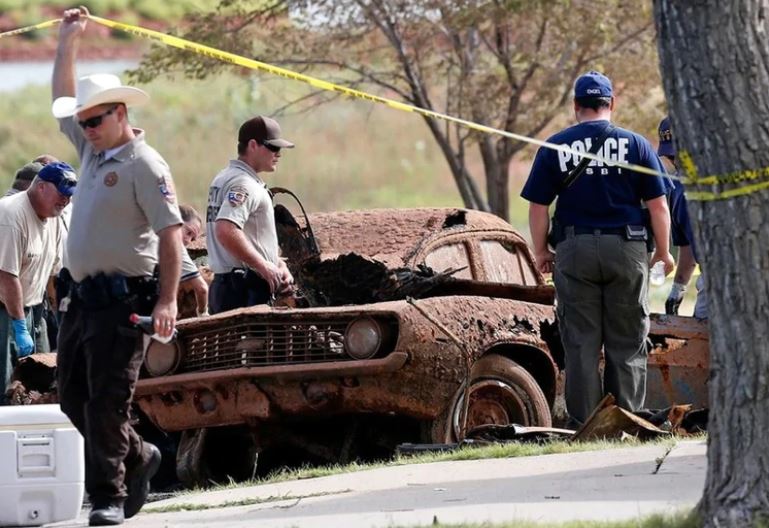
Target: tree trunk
x: 714, y: 58
x: 496, y: 168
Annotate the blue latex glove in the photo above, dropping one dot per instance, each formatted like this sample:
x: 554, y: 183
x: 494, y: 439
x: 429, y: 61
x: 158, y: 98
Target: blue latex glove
x: 24, y: 343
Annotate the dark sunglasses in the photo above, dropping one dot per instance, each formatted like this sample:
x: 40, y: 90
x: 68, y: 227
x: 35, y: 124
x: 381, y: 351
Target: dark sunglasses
x: 271, y: 148
x: 95, y: 121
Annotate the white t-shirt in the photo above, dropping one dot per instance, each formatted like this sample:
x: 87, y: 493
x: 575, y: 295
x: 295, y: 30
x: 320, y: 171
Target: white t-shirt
x: 30, y: 248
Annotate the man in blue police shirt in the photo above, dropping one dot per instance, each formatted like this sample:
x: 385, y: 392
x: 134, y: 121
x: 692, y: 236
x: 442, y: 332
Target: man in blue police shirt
x: 600, y: 265
x: 683, y: 238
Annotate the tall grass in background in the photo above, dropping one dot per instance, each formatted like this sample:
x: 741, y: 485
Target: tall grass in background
x: 350, y: 154
x: 347, y: 155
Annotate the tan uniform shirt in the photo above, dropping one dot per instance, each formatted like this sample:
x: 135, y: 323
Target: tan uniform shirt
x: 239, y: 196
x: 30, y: 248
x: 119, y: 206
x: 189, y: 268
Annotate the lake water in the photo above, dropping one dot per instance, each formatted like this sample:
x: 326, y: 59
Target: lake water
x: 17, y: 75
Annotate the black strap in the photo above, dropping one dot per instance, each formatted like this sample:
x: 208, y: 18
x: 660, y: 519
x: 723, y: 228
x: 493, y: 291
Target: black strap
x: 577, y: 171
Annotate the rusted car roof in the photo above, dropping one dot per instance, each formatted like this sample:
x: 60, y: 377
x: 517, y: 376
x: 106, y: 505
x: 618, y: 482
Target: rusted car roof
x: 391, y: 236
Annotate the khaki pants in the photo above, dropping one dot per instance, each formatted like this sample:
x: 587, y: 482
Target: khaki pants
x: 601, y: 284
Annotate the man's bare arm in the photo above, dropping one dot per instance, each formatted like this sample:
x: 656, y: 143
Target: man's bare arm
x: 539, y: 223
x: 199, y: 287
x: 170, y: 261
x: 11, y: 295
x: 686, y: 265
x: 70, y: 30
x: 660, y: 218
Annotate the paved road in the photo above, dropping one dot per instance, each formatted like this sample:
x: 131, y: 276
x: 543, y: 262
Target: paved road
x: 602, y: 485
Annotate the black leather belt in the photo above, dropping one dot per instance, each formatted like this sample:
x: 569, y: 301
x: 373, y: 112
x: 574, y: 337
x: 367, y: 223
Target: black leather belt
x: 581, y: 230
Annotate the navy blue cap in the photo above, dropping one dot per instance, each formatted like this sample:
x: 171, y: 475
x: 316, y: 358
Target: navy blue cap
x: 593, y: 84
x: 61, y: 175
x: 666, y: 147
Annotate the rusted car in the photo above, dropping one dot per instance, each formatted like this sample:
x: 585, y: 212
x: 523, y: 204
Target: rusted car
x: 384, y: 362
x: 401, y: 314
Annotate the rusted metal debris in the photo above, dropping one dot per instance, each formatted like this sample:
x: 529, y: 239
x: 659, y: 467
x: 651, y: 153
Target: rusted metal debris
x: 608, y: 421
x: 353, y: 279
x: 678, y: 362
x: 34, y: 380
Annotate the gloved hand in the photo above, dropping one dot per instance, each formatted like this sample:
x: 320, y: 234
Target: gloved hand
x: 24, y: 343
x: 673, y: 303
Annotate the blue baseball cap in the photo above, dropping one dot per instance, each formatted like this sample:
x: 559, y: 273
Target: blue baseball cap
x: 593, y: 84
x: 61, y: 175
x: 666, y: 147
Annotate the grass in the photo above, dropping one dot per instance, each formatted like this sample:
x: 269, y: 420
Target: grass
x: 249, y: 501
x: 349, y: 154
x: 506, y: 450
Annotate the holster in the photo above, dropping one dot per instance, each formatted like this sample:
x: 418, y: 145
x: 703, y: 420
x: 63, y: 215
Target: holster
x: 648, y: 223
x: 557, y: 233
x: 99, y: 291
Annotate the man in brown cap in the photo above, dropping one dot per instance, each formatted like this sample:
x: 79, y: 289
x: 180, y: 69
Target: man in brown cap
x: 241, y: 238
x: 124, y: 256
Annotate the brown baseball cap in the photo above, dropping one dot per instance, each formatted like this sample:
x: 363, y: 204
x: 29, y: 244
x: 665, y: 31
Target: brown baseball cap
x: 264, y: 130
x: 28, y: 171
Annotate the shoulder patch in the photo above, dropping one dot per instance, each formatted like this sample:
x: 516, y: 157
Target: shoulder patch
x: 110, y: 179
x: 166, y: 187
x: 237, y: 195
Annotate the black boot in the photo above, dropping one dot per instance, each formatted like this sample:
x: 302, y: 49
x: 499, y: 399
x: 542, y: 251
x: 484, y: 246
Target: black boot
x: 106, y: 515
x: 137, y: 481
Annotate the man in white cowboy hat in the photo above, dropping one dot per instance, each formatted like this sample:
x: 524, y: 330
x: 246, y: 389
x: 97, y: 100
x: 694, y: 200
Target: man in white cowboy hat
x: 124, y: 256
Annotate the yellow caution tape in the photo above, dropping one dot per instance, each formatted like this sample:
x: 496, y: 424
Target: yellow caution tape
x: 232, y: 58
x: 733, y: 178
x: 41, y: 25
x: 686, y: 161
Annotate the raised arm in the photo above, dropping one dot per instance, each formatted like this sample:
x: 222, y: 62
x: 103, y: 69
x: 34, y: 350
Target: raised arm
x: 70, y: 31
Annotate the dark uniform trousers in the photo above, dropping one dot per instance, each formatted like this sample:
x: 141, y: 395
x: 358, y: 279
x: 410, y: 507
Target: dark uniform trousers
x: 99, y: 357
x: 237, y: 289
x: 601, y: 283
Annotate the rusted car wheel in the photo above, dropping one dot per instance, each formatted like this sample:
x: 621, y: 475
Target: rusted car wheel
x: 501, y: 392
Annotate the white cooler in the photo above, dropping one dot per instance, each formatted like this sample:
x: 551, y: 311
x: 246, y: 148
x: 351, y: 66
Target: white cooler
x: 42, y: 467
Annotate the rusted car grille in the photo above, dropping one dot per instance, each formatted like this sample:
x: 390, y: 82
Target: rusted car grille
x: 259, y: 344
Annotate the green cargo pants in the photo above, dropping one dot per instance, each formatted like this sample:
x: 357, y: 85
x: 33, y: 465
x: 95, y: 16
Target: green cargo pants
x: 601, y: 284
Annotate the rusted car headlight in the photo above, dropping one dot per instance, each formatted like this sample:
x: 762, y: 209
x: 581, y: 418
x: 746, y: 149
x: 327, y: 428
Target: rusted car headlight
x: 162, y: 359
x: 362, y: 338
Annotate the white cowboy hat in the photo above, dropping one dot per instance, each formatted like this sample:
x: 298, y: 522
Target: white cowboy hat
x: 94, y: 90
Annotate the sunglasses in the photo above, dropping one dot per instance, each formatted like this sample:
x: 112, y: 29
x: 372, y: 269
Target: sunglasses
x: 271, y: 148
x: 95, y: 121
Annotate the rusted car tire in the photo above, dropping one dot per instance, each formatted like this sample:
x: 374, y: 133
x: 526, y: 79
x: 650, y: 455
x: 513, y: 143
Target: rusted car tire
x: 501, y: 392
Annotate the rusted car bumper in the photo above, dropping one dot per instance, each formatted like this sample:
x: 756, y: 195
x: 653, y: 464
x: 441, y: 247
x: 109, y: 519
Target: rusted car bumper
x: 242, y: 395
x: 416, y: 378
